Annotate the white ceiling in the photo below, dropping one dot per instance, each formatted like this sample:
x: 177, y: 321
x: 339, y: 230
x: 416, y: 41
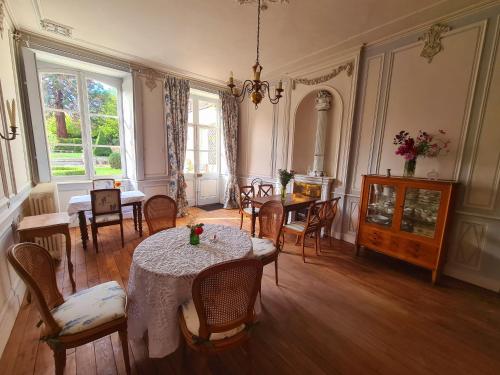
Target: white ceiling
x: 208, y: 38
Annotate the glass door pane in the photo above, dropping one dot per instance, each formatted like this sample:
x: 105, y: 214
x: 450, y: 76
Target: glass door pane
x: 381, y: 202
x: 207, y: 150
x: 420, y: 213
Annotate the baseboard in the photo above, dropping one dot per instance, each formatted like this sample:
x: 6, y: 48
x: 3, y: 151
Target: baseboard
x: 468, y: 277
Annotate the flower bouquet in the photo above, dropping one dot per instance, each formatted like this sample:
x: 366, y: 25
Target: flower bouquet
x: 425, y: 144
x: 194, y: 236
x: 285, y: 177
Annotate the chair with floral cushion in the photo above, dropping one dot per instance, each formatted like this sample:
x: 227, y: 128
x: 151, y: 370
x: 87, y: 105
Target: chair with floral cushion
x: 106, y: 210
x: 103, y: 183
x: 312, y: 226
x: 221, y: 312
x: 266, y: 246
x: 79, y: 319
x: 245, y: 196
x: 160, y: 212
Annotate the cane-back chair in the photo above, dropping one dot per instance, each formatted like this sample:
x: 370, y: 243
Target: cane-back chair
x: 329, y: 213
x: 106, y: 210
x: 245, y: 196
x: 160, y: 212
x: 266, y: 246
x: 312, y: 226
x: 81, y: 318
x: 103, y: 183
x: 221, y: 313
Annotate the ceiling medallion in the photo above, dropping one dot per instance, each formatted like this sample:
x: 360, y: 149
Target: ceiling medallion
x: 256, y: 88
x: 56, y: 28
x: 432, y: 41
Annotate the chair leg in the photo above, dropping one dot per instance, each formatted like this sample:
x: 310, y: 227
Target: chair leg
x: 241, y: 221
x: 276, y: 270
x: 121, y: 233
x: 303, y: 250
x: 124, y: 341
x: 60, y: 360
x: 297, y: 240
x: 318, y: 243
x: 94, y: 237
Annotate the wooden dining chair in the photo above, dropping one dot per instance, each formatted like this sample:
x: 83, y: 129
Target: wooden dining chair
x: 106, y: 211
x: 328, y: 216
x: 221, y: 312
x: 103, y: 183
x: 160, y: 212
x: 77, y: 320
x: 245, y: 196
x: 265, y: 190
x: 266, y: 246
x: 312, y: 226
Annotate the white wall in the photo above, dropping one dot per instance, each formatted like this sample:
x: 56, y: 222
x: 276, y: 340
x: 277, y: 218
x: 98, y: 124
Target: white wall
x: 15, y: 184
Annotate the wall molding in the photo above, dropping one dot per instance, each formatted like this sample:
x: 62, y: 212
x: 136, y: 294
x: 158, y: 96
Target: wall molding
x: 347, y: 67
x: 432, y: 41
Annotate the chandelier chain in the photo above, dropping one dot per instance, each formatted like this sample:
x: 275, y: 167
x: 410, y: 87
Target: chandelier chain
x: 258, y: 30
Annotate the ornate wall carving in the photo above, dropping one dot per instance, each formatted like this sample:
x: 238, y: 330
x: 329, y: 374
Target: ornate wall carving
x: 347, y: 67
x: 432, y: 41
x: 56, y: 28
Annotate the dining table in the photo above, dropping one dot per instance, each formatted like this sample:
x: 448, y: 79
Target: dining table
x: 291, y: 202
x: 162, y: 272
x: 79, y: 204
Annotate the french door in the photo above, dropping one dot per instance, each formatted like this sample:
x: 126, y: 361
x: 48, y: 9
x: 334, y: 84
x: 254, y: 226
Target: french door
x: 202, y: 165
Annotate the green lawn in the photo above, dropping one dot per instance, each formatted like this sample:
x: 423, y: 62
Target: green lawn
x: 66, y: 155
x: 80, y: 171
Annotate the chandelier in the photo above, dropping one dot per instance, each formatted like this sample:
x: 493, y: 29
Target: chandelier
x: 256, y: 88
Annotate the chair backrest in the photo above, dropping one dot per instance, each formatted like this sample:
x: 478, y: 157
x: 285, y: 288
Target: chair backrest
x: 105, y: 201
x: 103, y: 183
x: 35, y: 267
x: 160, y: 212
x: 314, y: 216
x: 246, y: 194
x: 256, y: 182
x: 330, y: 210
x: 265, y: 190
x: 224, y: 295
x: 271, y: 217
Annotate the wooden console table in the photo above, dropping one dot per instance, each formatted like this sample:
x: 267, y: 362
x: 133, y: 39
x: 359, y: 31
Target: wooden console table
x: 47, y: 225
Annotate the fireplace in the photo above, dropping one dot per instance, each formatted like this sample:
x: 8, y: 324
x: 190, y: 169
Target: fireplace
x: 311, y: 186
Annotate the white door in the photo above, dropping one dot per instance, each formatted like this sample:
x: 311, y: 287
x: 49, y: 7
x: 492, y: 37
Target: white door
x: 202, y: 166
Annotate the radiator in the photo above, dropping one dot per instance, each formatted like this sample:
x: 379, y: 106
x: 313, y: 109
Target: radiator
x: 44, y: 199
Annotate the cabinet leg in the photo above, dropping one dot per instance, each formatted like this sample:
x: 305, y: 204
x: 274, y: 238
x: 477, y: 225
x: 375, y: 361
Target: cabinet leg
x: 435, y: 277
x: 357, y: 249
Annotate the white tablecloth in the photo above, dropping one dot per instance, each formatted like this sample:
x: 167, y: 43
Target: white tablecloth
x: 82, y: 202
x: 161, y: 275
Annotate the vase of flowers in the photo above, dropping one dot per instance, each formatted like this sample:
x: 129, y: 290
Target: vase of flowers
x: 194, y: 235
x: 426, y: 145
x: 285, y: 177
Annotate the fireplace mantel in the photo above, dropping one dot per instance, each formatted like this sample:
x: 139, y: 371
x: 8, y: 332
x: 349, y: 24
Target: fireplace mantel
x: 325, y: 183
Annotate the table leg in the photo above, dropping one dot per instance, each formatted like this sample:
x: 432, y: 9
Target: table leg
x: 139, y: 217
x: 68, y: 257
x: 83, y: 228
x: 134, y: 210
x: 253, y: 221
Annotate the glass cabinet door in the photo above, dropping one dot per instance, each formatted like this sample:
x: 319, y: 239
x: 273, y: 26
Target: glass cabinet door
x: 420, y: 211
x: 381, y: 202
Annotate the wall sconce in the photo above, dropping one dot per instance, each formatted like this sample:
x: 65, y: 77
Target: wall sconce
x: 11, y: 108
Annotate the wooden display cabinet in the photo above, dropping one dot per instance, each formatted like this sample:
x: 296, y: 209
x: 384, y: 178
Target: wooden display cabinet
x: 406, y: 218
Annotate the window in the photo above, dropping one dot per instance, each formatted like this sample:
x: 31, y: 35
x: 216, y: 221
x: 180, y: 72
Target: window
x: 82, y: 124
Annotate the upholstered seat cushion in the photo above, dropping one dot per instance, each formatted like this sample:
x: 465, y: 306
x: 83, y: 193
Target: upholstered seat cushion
x: 298, y: 226
x: 106, y: 218
x: 90, y: 308
x: 262, y: 247
x: 193, y: 323
x: 248, y: 210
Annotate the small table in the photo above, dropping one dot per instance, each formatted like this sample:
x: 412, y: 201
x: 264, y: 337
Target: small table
x: 47, y: 225
x: 292, y: 202
x: 78, y: 204
x: 162, y: 272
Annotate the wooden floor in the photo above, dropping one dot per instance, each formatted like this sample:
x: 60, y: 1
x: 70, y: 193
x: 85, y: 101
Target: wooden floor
x: 336, y: 314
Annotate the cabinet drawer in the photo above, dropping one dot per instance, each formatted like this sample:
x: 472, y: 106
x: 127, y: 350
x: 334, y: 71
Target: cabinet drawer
x: 375, y: 238
x: 419, y: 253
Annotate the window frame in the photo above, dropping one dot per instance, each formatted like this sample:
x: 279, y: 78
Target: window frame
x: 86, y: 126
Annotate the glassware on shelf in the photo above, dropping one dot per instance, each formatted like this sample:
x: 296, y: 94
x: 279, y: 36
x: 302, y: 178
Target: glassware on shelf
x: 420, y: 211
x: 382, y: 199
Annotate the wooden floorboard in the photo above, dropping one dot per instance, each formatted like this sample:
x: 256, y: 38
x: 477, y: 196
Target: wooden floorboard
x: 335, y: 314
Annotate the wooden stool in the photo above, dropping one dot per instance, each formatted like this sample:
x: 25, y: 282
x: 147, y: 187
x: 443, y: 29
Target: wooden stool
x: 47, y: 225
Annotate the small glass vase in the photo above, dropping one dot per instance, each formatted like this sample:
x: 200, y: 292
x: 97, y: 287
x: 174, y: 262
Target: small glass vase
x: 410, y: 166
x: 283, y: 192
x: 194, y: 239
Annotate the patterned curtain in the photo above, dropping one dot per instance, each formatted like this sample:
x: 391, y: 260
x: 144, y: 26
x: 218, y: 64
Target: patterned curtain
x: 176, y: 109
x: 230, y: 120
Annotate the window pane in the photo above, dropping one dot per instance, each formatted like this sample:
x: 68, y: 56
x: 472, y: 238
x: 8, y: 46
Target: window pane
x: 190, y: 111
x: 207, y: 113
x: 102, y: 98
x: 60, y: 91
x: 64, y: 138
x: 207, y: 163
x: 107, y: 161
x: 105, y: 130
x: 189, y: 162
x: 190, y: 138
